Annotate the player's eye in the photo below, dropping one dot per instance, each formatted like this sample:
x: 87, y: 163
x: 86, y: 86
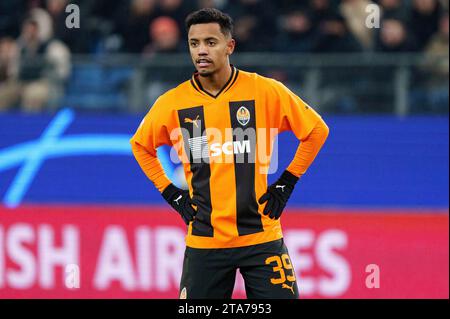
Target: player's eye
x: 212, y: 43
x: 193, y: 44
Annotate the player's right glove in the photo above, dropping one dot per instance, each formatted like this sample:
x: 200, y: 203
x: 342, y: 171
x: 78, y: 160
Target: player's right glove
x: 181, y: 201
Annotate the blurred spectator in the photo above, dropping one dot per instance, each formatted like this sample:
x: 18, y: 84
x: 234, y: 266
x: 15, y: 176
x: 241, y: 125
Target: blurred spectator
x: 133, y: 24
x: 8, y: 54
x: 437, y: 68
x: 149, y: 27
x: 44, y: 23
x: 394, y: 9
x: 394, y: 37
x: 245, y: 33
x: 425, y: 20
x: 42, y: 67
x: 255, y: 24
x: 354, y: 12
x: 56, y: 9
x: 334, y: 36
x: 439, y: 44
x: 75, y: 39
x: 219, y: 4
x: 322, y: 10
x: 103, y: 8
x: 177, y: 10
x: 11, y: 14
x: 259, y: 25
x: 297, y: 33
x: 8, y: 72
x: 165, y: 36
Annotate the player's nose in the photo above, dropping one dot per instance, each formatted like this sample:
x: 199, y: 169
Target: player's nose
x: 203, y: 50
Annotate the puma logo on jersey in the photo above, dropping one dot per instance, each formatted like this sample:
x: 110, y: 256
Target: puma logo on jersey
x: 177, y: 199
x: 281, y: 186
x: 291, y: 288
x: 195, y: 121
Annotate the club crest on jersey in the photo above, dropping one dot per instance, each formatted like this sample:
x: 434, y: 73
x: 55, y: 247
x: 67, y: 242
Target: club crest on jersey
x: 243, y: 115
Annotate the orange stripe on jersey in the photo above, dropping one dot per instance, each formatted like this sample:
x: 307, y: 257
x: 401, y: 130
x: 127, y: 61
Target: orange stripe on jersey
x: 226, y: 142
x: 271, y: 232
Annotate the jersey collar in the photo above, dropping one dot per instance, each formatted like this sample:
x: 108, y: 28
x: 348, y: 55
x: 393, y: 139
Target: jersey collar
x: 198, y: 86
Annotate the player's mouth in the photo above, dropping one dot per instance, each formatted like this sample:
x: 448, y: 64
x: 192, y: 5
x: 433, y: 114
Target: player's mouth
x: 203, y: 63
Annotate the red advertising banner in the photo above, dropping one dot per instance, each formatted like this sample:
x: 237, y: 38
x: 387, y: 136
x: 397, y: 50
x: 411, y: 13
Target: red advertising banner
x: 137, y: 252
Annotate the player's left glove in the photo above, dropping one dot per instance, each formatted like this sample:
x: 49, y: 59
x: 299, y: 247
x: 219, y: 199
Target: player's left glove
x: 180, y: 200
x: 278, y: 194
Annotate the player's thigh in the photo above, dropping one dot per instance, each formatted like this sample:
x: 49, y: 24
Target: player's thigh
x: 269, y: 273
x: 207, y: 274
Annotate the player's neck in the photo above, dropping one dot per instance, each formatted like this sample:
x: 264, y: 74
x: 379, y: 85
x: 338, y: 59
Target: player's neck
x: 215, y: 82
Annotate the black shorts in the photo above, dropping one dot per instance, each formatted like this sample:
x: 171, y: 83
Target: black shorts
x: 266, y: 268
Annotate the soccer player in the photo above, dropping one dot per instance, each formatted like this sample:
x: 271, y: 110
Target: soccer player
x: 221, y: 123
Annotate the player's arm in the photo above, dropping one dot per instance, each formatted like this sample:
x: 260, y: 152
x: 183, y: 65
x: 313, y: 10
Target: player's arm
x: 149, y: 136
x: 294, y: 115
x: 308, y: 149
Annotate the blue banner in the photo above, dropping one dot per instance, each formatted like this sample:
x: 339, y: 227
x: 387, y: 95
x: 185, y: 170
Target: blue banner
x: 85, y: 158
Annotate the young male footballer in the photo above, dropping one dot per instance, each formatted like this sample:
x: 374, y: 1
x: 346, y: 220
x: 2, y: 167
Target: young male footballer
x: 222, y: 123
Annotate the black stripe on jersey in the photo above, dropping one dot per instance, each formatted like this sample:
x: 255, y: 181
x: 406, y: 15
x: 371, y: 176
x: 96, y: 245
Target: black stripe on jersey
x: 234, y: 80
x: 231, y: 79
x: 192, y: 121
x: 248, y: 217
x: 192, y: 83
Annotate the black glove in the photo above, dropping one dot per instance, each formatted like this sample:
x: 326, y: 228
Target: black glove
x: 181, y: 201
x: 278, y: 194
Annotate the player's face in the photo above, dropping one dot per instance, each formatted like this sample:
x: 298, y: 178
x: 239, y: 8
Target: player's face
x: 209, y: 48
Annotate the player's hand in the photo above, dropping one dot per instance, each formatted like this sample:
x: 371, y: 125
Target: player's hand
x: 278, y: 194
x: 181, y: 201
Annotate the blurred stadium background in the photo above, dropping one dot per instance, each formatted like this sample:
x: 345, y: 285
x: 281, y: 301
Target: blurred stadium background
x: 74, y: 201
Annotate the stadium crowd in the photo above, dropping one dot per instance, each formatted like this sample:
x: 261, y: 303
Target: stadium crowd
x: 38, y: 27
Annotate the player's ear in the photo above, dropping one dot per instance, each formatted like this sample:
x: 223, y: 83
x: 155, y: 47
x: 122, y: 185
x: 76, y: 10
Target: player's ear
x: 231, y: 44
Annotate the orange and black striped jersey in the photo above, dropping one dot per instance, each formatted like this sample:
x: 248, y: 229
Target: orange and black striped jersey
x: 225, y: 143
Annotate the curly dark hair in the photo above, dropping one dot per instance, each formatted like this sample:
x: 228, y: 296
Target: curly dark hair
x: 211, y: 15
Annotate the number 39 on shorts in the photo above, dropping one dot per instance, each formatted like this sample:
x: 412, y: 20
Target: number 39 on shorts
x: 283, y: 267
